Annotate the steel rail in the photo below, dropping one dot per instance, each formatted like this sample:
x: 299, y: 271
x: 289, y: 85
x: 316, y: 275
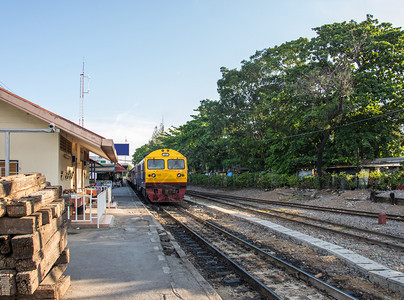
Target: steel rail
x: 393, y: 217
x: 296, y: 272
x: 392, y: 245
x: 261, y: 288
x: 380, y: 234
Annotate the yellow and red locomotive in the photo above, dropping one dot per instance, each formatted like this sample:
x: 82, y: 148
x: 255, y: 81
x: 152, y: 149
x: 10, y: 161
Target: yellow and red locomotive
x: 161, y: 176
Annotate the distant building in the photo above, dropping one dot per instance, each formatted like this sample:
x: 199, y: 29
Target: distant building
x: 105, y: 170
x: 63, y: 157
x: 387, y: 164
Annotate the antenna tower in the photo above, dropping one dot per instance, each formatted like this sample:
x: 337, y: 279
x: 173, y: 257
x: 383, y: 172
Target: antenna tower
x: 83, y: 91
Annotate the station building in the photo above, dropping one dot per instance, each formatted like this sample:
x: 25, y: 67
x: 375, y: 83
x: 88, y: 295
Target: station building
x: 62, y: 156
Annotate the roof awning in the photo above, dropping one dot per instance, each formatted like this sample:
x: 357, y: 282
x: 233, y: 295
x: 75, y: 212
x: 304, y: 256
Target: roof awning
x: 104, y: 169
x: 119, y: 168
x: 94, y: 162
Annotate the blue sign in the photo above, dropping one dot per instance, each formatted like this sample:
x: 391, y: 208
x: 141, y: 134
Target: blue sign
x: 122, y: 149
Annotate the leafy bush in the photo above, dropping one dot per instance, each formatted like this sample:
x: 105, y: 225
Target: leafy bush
x: 375, y: 180
x: 264, y: 181
x: 306, y: 182
x: 396, y: 180
x: 385, y: 181
x: 244, y: 180
x: 198, y: 179
x: 343, y: 181
x: 217, y: 181
x: 293, y: 181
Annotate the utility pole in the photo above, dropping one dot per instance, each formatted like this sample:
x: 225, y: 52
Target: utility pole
x: 82, y: 92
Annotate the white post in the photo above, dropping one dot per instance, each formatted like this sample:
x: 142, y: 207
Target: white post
x: 7, y: 161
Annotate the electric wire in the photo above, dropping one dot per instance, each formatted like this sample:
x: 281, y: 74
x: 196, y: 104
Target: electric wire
x: 5, y: 86
x: 335, y: 127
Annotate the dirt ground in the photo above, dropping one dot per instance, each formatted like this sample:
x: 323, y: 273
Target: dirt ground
x: 356, y: 199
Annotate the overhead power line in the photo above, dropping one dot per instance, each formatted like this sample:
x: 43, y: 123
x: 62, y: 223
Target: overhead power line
x: 5, y: 86
x: 336, y: 127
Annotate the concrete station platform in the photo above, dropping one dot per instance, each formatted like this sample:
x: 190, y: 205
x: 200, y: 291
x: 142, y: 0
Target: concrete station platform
x: 126, y: 259
x: 106, y: 220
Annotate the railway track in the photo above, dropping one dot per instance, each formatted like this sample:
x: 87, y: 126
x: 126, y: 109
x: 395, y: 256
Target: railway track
x: 399, y: 218
x: 268, y: 275
x: 368, y: 236
x: 231, y: 284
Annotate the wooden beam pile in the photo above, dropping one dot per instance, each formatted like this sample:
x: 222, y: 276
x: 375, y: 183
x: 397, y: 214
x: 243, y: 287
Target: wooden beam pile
x: 33, y: 239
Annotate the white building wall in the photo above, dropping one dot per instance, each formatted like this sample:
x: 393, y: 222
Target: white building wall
x: 40, y: 152
x: 35, y: 152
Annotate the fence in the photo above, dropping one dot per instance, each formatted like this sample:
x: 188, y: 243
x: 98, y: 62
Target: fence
x: 103, y: 200
x: 101, y: 205
x: 83, y: 203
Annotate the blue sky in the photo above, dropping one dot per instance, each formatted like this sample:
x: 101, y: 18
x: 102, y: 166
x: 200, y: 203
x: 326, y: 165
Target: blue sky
x: 149, y: 60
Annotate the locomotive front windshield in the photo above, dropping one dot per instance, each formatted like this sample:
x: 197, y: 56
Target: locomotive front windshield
x: 155, y: 164
x: 177, y: 164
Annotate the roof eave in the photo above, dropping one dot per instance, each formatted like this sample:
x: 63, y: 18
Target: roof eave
x: 94, y: 140
x: 107, y: 145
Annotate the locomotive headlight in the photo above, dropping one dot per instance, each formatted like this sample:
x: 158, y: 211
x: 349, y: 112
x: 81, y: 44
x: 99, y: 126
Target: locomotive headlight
x: 179, y: 175
x: 153, y: 175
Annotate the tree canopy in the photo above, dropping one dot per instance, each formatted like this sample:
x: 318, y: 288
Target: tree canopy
x: 334, y: 99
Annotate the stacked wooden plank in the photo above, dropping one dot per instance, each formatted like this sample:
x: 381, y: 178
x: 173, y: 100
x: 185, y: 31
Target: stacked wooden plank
x: 33, y: 239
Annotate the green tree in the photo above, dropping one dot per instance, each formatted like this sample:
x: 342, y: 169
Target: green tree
x: 200, y: 139
x: 336, y: 98
x: 347, y: 73
x: 356, y: 72
x: 140, y: 153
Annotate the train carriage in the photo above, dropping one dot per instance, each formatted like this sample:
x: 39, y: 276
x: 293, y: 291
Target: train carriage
x: 161, y: 176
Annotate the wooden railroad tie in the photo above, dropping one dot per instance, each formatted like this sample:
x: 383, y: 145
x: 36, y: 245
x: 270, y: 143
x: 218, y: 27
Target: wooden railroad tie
x: 33, y: 239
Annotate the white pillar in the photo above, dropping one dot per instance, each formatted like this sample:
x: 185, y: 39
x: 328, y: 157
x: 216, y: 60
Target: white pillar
x: 7, y: 160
